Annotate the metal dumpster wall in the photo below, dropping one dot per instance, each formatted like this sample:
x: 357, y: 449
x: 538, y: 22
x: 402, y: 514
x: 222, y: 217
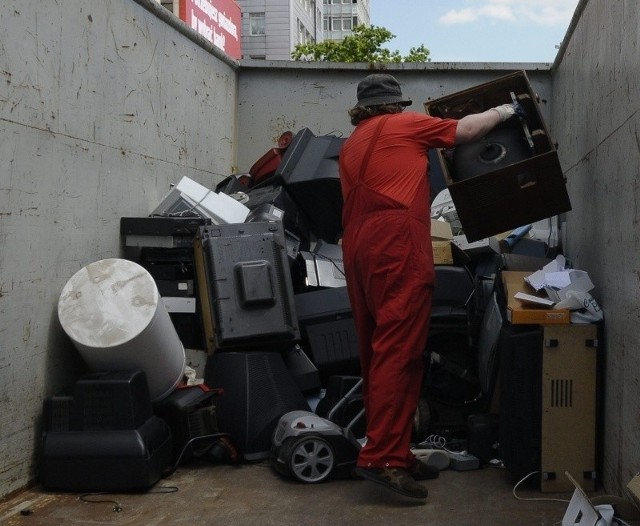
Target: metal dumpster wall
x: 596, y: 96
x: 102, y: 106
x: 279, y: 96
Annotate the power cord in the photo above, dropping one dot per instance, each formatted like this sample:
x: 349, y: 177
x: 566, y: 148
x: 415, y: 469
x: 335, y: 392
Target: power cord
x: 434, y: 442
x: 86, y: 498
x: 117, y: 507
x: 533, y: 498
x: 198, y: 454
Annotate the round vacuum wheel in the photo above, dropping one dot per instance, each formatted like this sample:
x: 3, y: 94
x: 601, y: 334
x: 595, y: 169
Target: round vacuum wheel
x: 311, y: 459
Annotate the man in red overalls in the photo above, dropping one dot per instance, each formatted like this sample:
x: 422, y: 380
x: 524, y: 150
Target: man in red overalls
x: 388, y: 263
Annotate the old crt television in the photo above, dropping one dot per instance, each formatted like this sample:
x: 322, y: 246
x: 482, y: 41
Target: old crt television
x: 293, y: 218
x: 309, y: 171
x: 250, y: 293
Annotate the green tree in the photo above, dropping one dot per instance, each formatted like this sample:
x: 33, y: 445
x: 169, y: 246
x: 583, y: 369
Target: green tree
x: 364, y: 45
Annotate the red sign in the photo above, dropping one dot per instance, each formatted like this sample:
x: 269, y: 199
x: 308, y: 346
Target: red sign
x: 219, y: 21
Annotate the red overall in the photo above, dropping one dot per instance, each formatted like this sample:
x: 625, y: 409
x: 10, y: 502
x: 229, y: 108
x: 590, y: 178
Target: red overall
x: 388, y: 262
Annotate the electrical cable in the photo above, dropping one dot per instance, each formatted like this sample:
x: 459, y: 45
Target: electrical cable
x: 117, y: 507
x: 434, y: 442
x: 533, y: 498
x: 208, y: 448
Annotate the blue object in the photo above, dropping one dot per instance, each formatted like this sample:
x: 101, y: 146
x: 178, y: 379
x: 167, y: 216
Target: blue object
x: 516, y: 235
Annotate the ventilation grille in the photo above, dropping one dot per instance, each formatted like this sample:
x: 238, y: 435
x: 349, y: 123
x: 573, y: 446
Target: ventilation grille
x: 561, y: 393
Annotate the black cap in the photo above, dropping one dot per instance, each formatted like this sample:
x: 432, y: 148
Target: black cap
x: 380, y: 88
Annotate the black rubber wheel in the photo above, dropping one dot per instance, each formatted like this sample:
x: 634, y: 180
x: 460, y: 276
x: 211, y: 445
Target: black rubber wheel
x: 311, y: 459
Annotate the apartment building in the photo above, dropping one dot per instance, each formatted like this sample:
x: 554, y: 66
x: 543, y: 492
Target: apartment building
x: 341, y: 16
x: 271, y: 29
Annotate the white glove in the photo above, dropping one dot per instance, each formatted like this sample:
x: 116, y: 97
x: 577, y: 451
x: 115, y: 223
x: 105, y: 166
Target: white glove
x: 506, y: 111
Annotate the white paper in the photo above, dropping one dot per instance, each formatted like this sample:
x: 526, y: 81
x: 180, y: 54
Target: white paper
x: 557, y: 280
x: 538, y: 279
x: 528, y: 298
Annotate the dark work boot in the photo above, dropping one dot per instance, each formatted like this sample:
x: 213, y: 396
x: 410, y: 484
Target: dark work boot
x: 396, y: 479
x: 422, y: 471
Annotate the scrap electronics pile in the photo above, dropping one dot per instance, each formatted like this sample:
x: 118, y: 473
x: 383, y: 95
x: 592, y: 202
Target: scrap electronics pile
x: 252, y: 273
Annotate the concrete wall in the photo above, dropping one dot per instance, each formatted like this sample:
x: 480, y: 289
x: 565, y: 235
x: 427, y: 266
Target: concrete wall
x: 279, y: 96
x: 596, y: 98
x: 102, y: 106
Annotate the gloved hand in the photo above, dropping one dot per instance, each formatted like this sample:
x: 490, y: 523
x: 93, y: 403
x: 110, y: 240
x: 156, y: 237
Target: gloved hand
x: 506, y: 111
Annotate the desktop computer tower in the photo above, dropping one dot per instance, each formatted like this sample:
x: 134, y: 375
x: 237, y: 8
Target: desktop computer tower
x: 548, y: 403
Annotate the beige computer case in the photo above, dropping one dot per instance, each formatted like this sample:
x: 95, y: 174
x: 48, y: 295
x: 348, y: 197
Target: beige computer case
x: 568, y: 441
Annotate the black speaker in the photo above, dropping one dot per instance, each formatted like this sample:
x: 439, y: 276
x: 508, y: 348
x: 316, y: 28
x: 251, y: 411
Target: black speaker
x: 258, y: 389
x: 511, y: 177
x: 506, y: 144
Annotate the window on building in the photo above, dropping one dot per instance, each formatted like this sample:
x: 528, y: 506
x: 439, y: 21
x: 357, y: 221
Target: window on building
x: 307, y: 5
x: 341, y: 23
x: 325, y: 23
x: 354, y: 21
x: 304, y: 36
x: 256, y: 24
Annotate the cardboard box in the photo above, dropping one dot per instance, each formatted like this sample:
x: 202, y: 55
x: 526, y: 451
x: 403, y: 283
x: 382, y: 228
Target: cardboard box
x: 580, y: 509
x: 441, y: 236
x: 634, y: 490
x: 483, y: 246
x: 520, y: 312
x: 441, y: 230
x: 523, y: 182
x: 442, y: 252
x: 472, y: 249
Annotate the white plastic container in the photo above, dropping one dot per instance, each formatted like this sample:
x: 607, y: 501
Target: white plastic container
x: 113, y: 313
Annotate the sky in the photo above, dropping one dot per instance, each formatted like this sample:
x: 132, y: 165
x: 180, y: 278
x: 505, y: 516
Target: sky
x: 476, y: 30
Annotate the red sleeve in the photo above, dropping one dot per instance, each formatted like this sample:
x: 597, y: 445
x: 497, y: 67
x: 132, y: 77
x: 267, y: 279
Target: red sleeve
x: 432, y: 132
